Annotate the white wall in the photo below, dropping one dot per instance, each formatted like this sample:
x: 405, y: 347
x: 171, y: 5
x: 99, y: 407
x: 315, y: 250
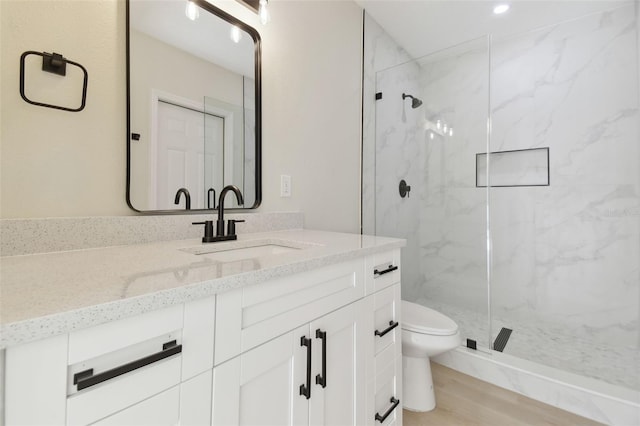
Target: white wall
x: 311, y: 110
x: 57, y: 163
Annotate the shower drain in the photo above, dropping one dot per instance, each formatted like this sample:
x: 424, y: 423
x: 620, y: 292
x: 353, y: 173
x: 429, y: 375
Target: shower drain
x: 502, y: 339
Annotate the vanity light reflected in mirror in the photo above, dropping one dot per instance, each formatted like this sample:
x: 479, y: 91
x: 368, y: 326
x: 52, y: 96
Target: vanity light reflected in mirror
x: 236, y: 35
x: 194, y: 104
x: 260, y: 7
x: 192, y: 11
x: 265, y: 17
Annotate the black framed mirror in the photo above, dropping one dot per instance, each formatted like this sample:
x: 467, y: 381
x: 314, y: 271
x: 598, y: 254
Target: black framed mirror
x: 193, y: 107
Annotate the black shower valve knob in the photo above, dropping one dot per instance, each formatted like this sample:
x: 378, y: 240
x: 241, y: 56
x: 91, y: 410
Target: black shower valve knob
x: 404, y: 189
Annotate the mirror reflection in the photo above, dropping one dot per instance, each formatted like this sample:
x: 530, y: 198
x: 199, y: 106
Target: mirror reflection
x: 194, y: 106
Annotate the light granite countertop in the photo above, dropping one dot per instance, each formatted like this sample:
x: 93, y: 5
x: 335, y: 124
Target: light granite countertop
x: 43, y: 295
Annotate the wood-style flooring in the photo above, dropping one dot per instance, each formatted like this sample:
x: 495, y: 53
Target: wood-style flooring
x: 464, y: 400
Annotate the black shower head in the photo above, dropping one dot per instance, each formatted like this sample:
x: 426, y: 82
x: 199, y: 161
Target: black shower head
x: 415, y: 102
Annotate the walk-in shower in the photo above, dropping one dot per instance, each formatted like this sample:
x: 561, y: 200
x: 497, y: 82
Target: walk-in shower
x: 525, y: 224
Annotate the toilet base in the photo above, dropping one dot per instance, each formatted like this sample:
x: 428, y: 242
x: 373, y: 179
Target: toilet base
x: 417, y: 384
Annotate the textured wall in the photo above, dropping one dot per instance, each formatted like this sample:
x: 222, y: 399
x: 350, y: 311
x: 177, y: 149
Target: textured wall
x: 59, y: 163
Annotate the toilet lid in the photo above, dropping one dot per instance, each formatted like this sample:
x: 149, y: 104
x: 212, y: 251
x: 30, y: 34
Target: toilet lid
x: 421, y: 319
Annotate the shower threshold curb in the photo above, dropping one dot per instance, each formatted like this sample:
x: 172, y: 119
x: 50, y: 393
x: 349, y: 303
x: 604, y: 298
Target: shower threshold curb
x: 594, y: 399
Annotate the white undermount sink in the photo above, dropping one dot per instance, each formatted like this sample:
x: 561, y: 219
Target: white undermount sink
x: 233, y: 251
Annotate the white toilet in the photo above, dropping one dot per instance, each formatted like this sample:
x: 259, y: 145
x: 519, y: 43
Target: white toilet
x: 425, y: 333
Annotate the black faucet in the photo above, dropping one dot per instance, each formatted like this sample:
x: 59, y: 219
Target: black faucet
x: 220, y: 222
x: 187, y: 197
x: 231, y: 228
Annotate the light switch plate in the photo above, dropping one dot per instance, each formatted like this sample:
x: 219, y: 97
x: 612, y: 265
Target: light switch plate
x: 285, y: 186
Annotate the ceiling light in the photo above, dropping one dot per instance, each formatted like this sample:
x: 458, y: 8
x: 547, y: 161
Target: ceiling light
x: 192, y: 11
x: 500, y: 9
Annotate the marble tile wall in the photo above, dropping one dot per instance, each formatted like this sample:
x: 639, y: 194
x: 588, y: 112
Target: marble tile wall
x: 383, y: 211
x: 453, y: 218
x: 569, y: 253
x: 398, y: 143
x: 380, y: 52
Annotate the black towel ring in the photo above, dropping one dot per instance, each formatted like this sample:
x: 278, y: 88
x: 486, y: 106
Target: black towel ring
x: 57, y: 64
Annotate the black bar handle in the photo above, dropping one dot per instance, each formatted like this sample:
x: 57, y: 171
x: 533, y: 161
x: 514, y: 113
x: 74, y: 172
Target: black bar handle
x: 306, y: 390
x: 391, y: 268
x: 392, y: 325
x: 382, y: 418
x: 321, y: 379
x: 85, y: 379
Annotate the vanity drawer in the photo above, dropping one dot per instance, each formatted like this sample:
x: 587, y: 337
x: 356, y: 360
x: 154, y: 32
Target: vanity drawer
x: 382, y: 270
x: 112, y: 336
x: 248, y: 317
x: 107, y: 398
x: 161, y: 409
x: 387, y: 403
x: 386, y: 318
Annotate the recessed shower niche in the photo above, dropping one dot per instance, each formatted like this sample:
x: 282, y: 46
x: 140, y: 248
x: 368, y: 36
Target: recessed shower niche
x: 524, y: 167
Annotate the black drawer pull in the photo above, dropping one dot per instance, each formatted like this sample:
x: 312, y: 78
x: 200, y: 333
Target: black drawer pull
x: 85, y: 379
x: 392, y: 325
x: 306, y: 390
x: 382, y: 418
x: 391, y: 268
x: 321, y: 379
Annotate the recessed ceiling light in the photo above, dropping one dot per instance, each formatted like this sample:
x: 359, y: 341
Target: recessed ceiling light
x: 500, y: 9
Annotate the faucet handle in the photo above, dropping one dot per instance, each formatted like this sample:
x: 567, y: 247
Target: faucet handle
x: 231, y: 226
x: 208, y: 230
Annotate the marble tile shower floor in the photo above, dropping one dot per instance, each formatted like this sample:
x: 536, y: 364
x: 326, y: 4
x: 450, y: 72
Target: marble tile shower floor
x: 546, y: 344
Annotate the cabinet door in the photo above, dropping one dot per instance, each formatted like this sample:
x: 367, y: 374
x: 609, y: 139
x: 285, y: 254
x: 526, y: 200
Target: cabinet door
x: 262, y: 386
x: 337, y: 396
x: 35, y: 387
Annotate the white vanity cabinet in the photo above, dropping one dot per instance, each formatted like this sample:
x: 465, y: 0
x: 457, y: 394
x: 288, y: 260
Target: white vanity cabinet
x: 321, y: 347
x: 270, y: 360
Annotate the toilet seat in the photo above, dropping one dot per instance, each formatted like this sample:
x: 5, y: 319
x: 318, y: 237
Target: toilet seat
x: 423, y: 320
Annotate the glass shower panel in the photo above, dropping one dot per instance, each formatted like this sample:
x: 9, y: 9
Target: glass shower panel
x: 429, y: 141
x: 565, y: 259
